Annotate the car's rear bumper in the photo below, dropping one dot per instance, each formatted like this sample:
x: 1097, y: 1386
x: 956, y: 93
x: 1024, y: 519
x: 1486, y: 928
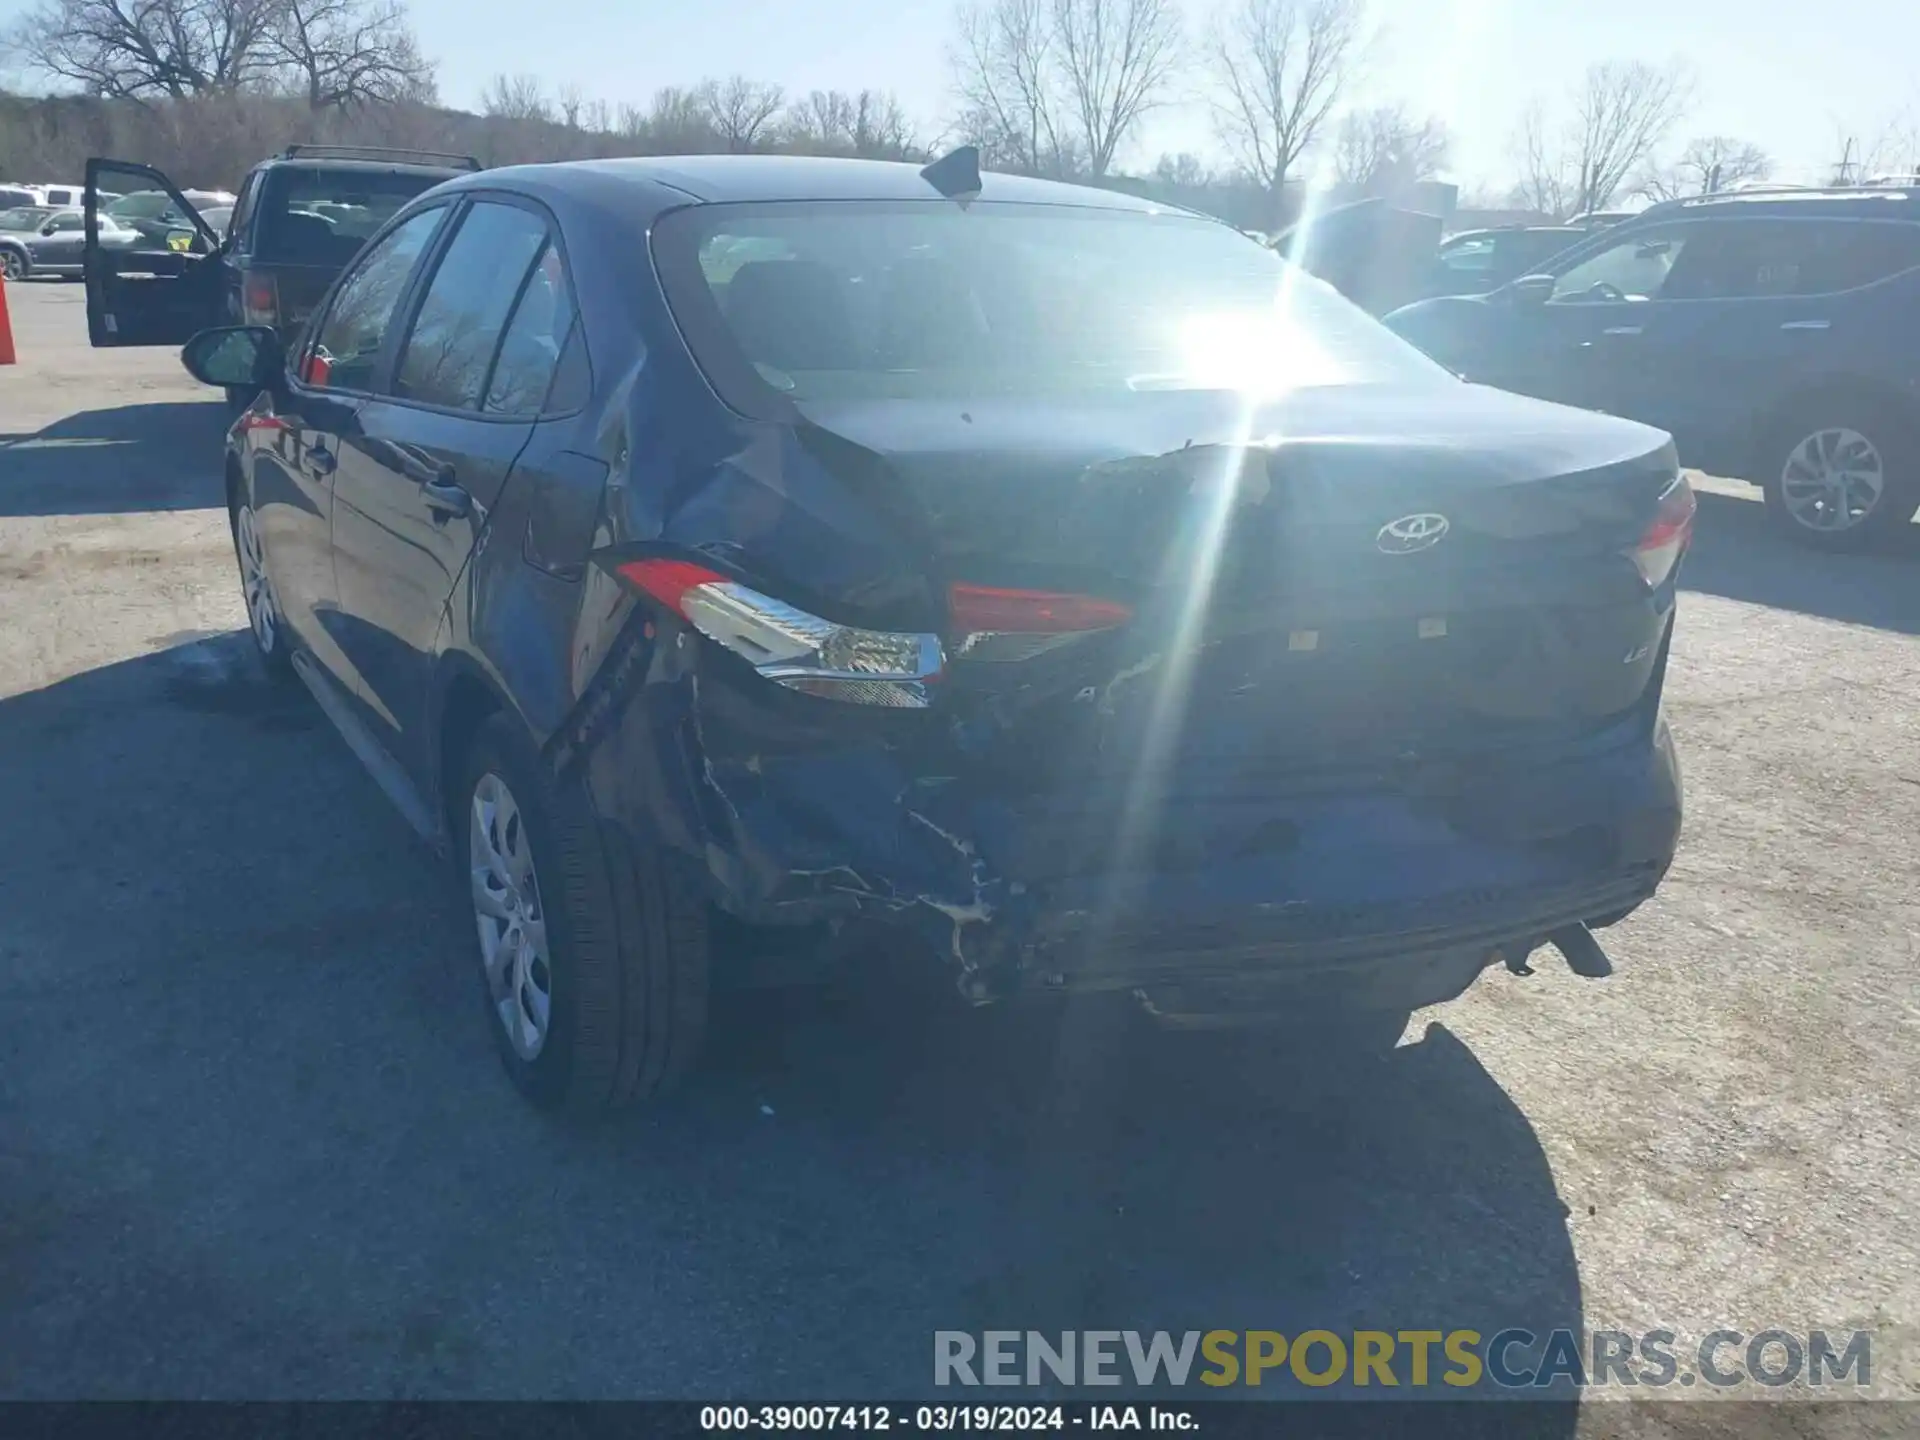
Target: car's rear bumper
x: 1401, y: 890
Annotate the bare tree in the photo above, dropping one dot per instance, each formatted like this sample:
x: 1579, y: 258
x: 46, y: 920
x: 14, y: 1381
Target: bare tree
x: 1185, y: 171
x: 1382, y: 149
x: 1621, y: 112
x: 349, y: 52
x: 1708, y: 164
x: 145, y: 49
x: 870, y: 125
x: 1004, y: 70
x: 515, y: 97
x: 569, y: 103
x: 1116, y: 59
x: 1281, y: 67
x: 741, y: 111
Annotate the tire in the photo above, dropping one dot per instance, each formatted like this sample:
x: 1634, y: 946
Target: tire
x: 625, y: 962
x: 265, y: 622
x: 1870, y: 443
x: 13, y: 264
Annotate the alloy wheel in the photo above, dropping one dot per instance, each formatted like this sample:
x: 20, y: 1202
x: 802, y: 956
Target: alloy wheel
x: 263, y: 610
x: 1832, y: 480
x: 14, y: 267
x: 509, y: 917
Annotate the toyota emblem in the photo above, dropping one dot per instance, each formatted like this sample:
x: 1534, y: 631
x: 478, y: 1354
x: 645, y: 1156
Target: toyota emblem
x: 1410, y: 533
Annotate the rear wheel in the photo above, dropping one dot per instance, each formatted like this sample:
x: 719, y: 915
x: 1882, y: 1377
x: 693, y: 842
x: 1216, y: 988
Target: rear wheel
x: 1841, y: 474
x: 593, y: 961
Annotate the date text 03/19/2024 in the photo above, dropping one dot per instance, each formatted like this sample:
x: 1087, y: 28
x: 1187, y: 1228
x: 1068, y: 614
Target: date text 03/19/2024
x: 940, y: 1419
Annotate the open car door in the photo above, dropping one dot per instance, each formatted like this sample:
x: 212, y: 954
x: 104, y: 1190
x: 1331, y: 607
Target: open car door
x: 152, y: 278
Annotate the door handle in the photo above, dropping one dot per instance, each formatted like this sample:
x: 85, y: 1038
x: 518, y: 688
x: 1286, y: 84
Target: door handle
x: 1622, y: 330
x: 1808, y: 325
x: 443, y: 497
x: 321, y: 458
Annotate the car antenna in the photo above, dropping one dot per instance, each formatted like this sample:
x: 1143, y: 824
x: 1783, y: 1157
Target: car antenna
x: 956, y: 175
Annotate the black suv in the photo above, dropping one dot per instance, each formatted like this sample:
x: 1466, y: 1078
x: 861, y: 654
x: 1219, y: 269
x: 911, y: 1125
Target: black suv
x: 1770, y: 332
x: 298, y: 219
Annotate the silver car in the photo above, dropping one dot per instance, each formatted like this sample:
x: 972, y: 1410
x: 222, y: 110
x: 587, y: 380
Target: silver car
x: 51, y: 240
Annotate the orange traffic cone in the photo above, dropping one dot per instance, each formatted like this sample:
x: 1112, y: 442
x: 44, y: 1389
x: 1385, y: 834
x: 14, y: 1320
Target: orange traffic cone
x: 6, y: 327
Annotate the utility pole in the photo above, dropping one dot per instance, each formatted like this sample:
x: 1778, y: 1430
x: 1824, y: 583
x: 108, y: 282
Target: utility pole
x: 1843, y: 173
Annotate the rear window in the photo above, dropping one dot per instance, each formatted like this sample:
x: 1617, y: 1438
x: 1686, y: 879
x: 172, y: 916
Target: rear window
x: 851, y: 300
x: 323, y: 216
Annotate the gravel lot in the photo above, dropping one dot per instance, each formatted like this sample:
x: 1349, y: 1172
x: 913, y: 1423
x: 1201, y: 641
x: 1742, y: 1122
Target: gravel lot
x: 253, y: 1140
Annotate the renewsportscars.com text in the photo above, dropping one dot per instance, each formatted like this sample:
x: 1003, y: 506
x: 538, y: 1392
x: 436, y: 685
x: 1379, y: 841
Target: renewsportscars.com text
x: 1512, y: 1358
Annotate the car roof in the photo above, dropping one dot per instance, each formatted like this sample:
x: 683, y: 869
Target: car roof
x: 378, y: 167
x: 1863, y: 204
x: 715, y: 179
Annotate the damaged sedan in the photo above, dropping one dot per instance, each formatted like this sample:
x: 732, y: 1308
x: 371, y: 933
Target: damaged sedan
x: 725, y: 560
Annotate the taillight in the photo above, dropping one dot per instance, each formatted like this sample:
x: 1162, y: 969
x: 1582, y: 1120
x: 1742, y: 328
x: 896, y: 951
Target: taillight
x: 260, y: 300
x: 1666, y: 538
x: 988, y: 623
x: 789, y: 646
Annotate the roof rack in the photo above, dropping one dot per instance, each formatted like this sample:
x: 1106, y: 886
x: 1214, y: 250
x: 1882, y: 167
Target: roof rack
x: 378, y: 152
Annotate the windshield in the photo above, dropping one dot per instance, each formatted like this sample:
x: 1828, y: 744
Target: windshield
x: 24, y: 217
x: 842, y: 300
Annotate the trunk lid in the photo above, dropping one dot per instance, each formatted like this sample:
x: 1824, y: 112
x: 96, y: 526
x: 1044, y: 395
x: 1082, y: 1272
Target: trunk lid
x: 1342, y: 577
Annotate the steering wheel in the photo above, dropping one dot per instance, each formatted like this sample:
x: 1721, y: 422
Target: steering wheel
x: 1602, y: 290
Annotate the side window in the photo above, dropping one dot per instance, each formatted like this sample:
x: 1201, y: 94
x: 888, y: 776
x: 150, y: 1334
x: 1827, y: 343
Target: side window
x: 1633, y: 268
x: 544, y: 328
x: 241, y: 223
x: 451, y: 345
x: 1469, y: 257
x: 1859, y: 252
x: 347, y: 347
x: 64, y: 223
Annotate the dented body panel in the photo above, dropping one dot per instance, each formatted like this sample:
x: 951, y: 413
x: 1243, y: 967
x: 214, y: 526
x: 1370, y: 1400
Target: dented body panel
x: 1305, y: 760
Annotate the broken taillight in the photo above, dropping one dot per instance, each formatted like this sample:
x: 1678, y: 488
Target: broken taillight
x: 1666, y: 538
x: 989, y: 623
x: 789, y: 646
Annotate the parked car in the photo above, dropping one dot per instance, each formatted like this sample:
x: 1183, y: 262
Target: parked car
x: 298, y: 219
x: 1065, y: 586
x: 67, y: 197
x: 1771, y: 333
x: 1377, y: 255
x: 46, y: 240
x: 12, y: 197
x: 1476, y: 261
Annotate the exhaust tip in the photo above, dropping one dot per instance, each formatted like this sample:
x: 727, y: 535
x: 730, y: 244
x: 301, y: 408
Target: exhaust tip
x: 1581, y: 951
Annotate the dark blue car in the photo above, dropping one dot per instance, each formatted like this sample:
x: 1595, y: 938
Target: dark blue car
x: 1770, y: 332
x: 728, y: 560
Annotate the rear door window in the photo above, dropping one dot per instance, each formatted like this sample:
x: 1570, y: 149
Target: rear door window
x: 458, y: 328
x: 544, y: 328
x: 347, y: 348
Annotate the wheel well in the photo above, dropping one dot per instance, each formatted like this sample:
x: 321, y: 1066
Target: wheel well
x: 1792, y: 407
x: 467, y: 705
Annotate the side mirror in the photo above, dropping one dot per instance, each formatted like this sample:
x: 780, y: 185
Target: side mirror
x: 1532, y: 289
x: 242, y: 355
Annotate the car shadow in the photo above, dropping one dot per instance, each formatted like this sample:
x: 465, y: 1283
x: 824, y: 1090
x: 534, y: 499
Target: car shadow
x: 1736, y: 553
x: 259, y: 1144
x: 163, y: 456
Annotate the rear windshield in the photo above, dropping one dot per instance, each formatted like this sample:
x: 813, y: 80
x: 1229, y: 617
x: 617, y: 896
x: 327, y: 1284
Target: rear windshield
x: 323, y: 217
x: 851, y: 300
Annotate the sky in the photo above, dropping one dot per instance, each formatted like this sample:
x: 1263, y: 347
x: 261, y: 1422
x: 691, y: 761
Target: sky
x: 1792, y: 77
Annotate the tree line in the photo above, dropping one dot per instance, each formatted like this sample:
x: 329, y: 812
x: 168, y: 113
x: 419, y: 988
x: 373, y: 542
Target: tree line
x: 1060, y: 88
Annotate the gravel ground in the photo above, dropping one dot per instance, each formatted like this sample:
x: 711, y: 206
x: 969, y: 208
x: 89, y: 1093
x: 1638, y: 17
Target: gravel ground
x: 253, y: 1142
